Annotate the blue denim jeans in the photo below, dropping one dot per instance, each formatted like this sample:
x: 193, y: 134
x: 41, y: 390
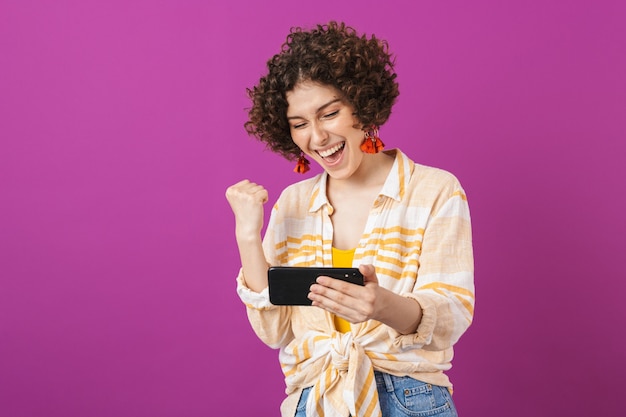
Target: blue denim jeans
x: 402, y: 396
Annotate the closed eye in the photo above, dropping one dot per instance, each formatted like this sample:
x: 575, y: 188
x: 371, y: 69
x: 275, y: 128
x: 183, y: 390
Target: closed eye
x: 330, y: 115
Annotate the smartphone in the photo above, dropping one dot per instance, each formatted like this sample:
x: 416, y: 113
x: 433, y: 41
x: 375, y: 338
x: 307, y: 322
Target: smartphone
x: 290, y: 285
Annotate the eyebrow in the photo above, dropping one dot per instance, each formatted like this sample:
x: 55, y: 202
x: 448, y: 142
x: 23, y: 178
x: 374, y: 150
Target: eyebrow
x: 322, y: 107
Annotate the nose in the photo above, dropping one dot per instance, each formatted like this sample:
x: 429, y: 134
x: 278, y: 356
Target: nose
x: 319, y: 136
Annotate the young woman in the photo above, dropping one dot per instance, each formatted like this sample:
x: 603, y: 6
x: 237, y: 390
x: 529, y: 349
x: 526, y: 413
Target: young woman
x: 380, y: 349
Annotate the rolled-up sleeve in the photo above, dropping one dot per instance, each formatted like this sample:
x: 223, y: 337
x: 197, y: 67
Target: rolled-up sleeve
x: 272, y: 324
x: 445, y: 282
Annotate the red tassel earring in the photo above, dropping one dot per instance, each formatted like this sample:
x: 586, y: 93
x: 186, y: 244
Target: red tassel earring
x: 372, y: 143
x: 302, y: 166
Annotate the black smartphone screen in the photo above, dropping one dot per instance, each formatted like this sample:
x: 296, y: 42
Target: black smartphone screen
x: 290, y: 285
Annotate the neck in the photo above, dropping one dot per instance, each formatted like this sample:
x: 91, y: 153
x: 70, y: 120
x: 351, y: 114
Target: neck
x: 372, y: 173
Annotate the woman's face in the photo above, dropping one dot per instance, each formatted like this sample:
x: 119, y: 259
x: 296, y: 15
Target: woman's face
x: 323, y: 127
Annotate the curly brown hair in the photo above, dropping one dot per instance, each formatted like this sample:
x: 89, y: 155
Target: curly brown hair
x: 335, y: 55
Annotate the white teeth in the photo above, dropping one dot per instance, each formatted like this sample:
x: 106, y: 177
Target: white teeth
x: 330, y: 151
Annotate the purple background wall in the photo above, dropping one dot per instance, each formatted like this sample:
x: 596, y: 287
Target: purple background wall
x: 121, y: 127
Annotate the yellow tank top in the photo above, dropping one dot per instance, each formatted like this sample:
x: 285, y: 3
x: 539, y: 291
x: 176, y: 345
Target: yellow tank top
x: 342, y: 258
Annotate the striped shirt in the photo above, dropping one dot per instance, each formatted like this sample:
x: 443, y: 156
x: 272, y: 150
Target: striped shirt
x: 418, y: 237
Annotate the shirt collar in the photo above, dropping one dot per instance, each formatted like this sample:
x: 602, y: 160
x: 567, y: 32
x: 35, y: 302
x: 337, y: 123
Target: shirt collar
x: 394, y: 187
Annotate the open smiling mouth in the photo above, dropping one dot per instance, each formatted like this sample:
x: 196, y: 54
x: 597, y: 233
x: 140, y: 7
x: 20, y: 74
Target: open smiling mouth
x: 332, y: 154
